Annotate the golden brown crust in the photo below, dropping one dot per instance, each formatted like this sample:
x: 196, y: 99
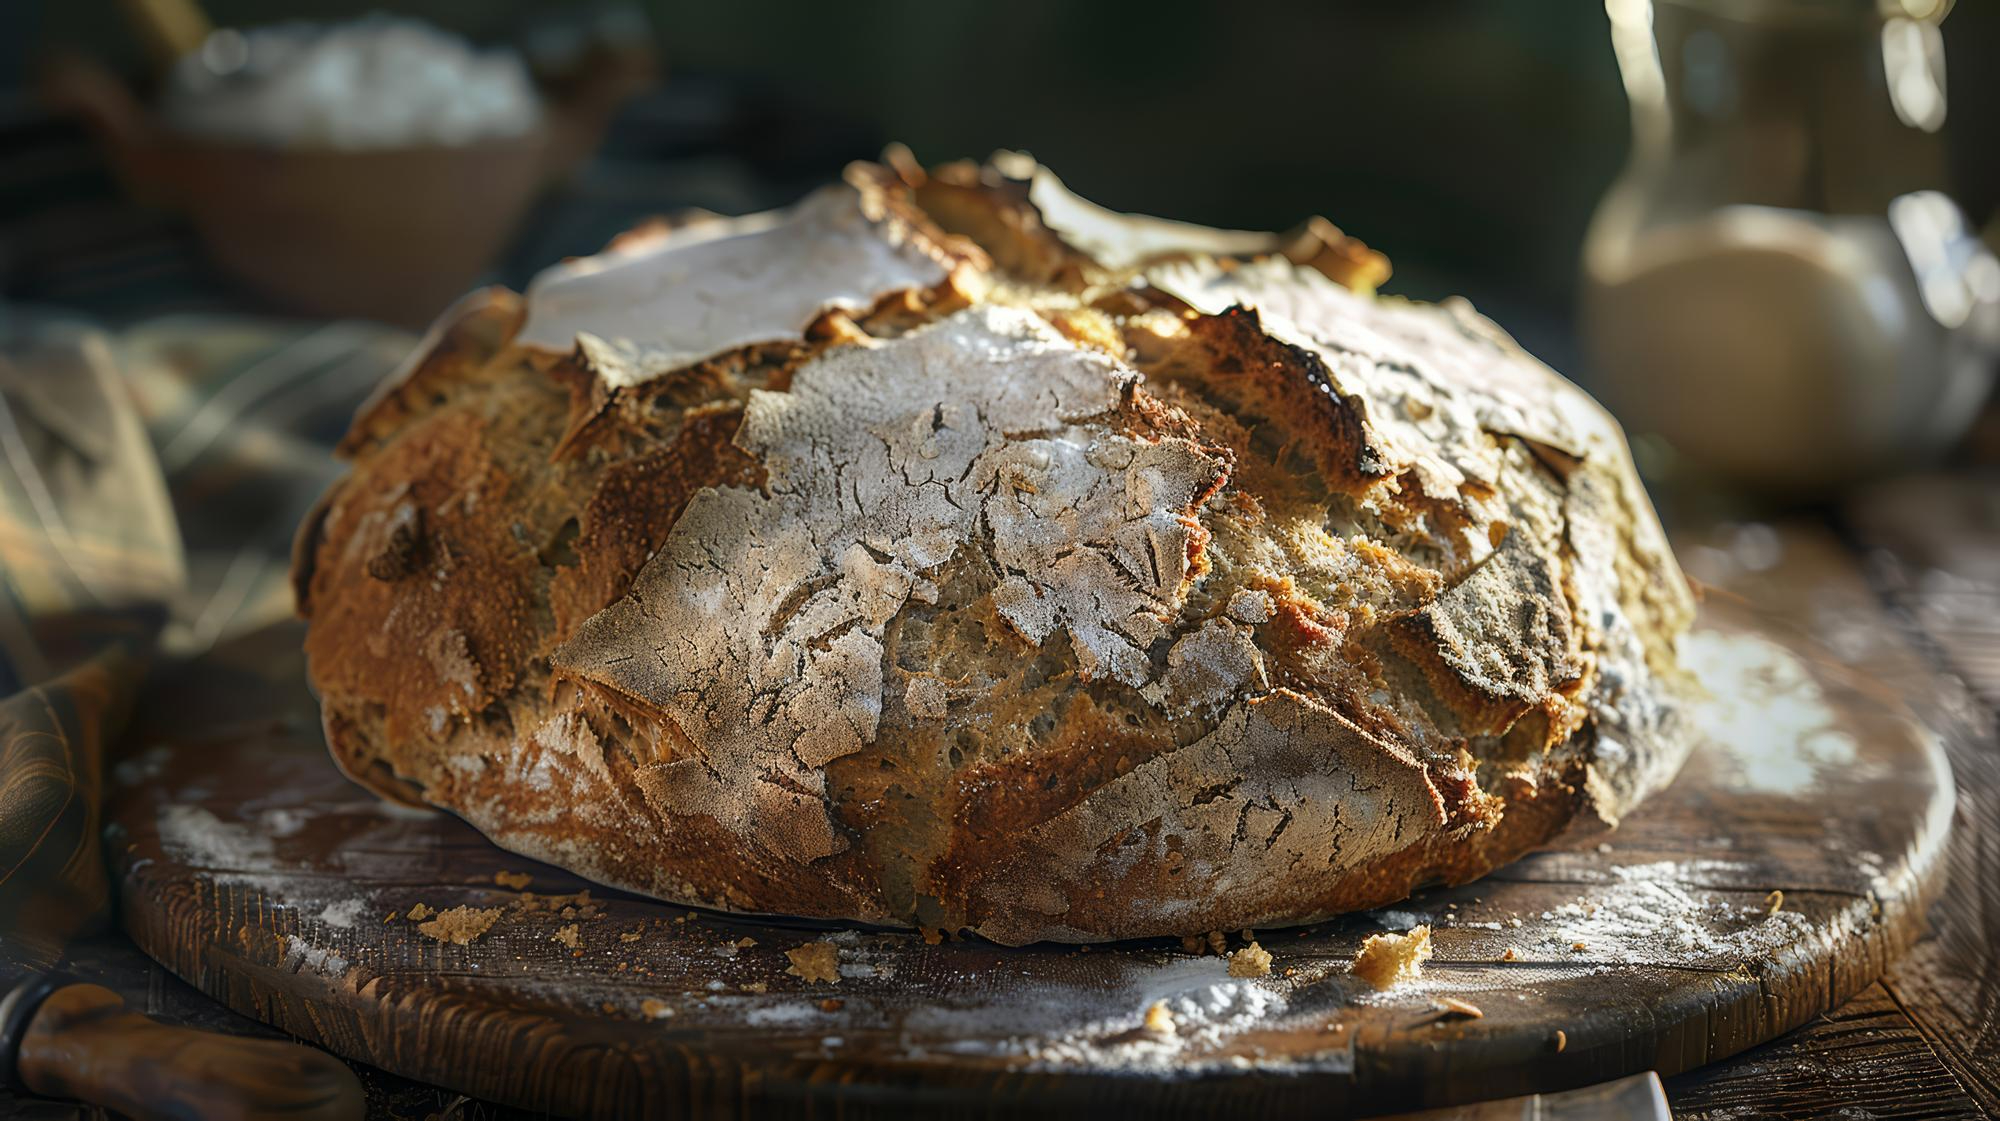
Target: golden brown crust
x: 427, y: 602
x: 635, y: 503
x: 462, y: 342
x: 1049, y: 589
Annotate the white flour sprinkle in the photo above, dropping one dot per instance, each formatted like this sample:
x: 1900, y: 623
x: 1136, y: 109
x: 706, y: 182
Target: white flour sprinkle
x: 1650, y: 917
x: 1208, y: 1007
x: 320, y: 959
x: 283, y: 822
x: 193, y: 835
x: 782, y: 1015
x: 1763, y: 696
x: 1424, y: 990
x: 146, y: 765
x: 342, y: 912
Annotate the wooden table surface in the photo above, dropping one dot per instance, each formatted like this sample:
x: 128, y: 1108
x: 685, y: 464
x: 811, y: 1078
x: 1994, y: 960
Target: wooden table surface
x: 1902, y: 584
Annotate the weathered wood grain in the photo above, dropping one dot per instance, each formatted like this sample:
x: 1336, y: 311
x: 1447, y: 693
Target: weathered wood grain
x: 246, y: 865
x: 1934, y: 553
x: 1934, y: 546
x: 1864, y: 1057
x: 1809, y: 583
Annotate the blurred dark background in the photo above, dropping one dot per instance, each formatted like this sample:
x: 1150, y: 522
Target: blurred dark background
x: 1469, y: 139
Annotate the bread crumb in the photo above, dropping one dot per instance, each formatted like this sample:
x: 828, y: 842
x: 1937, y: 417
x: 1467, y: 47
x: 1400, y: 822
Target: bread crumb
x: 1248, y: 935
x: 655, y: 1009
x: 1218, y: 943
x: 515, y: 880
x: 745, y: 942
x: 832, y: 1004
x: 1452, y: 1006
x: 1774, y: 902
x: 755, y: 987
x: 629, y: 936
x: 393, y: 916
x: 931, y: 937
x: 1250, y: 961
x: 1510, y: 955
x: 1193, y: 944
x: 815, y: 962
x: 1160, y: 1018
x: 460, y: 925
x: 1387, y: 959
x: 1578, y: 947
x: 569, y: 936
x: 420, y: 912
x: 1562, y: 1040
x: 529, y: 902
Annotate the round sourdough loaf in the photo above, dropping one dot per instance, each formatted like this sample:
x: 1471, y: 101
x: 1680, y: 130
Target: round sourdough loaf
x: 947, y: 551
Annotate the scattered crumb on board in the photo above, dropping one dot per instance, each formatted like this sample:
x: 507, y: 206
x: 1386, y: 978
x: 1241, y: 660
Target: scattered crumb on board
x: 460, y: 925
x: 515, y: 880
x: 1774, y: 902
x: 1159, y: 1018
x: 420, y: 912
x: 815, y: 962
x: 1452, y: 1006
x: 655, y: 1009
x: 1250, y: 961
x: 569, y: 936
x: 1387, y: 959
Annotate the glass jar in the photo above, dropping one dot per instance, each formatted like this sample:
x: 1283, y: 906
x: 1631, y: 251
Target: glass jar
x: 1775, y: 285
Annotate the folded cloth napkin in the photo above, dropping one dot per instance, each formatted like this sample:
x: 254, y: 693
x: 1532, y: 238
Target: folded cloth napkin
x: 164, y: 468
x: 150, y: 482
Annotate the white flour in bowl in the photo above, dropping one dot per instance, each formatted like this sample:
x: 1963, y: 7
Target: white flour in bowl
x: 378, y: 82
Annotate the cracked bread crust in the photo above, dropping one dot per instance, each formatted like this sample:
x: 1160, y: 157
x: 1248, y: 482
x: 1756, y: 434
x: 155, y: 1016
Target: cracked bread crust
x: 993, y: 561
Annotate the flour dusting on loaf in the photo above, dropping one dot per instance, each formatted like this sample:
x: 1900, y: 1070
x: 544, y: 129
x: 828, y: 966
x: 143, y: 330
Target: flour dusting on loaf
x: 948, y: 551
x: 758, y: 626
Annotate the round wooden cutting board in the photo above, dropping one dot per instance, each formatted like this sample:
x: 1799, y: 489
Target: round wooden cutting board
x: 249, y: 866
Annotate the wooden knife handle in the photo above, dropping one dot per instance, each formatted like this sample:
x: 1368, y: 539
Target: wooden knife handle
x: 84, y: 1044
